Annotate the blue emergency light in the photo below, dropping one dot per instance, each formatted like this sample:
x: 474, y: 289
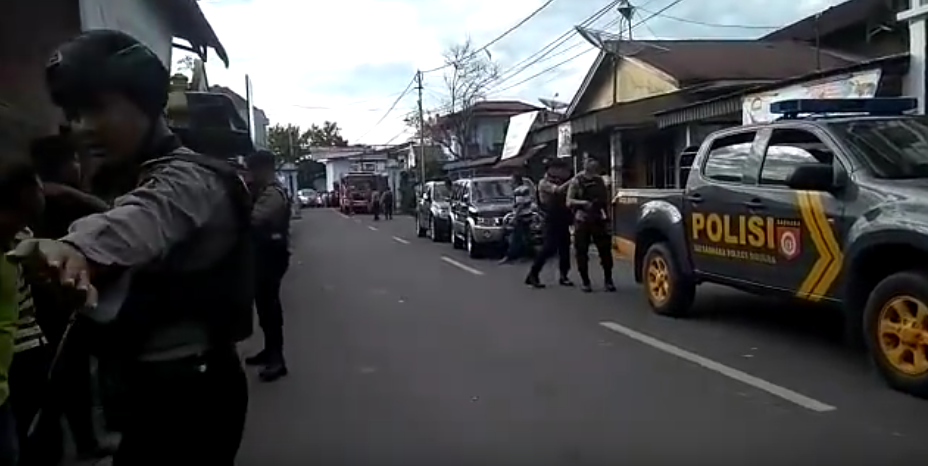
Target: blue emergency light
x: 873, y: 106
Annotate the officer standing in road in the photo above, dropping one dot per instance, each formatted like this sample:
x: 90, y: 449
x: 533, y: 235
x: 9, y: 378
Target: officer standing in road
x: 588, y: 196
x: 270, y: 219
x: 552, y: 200
x: 172, y: 259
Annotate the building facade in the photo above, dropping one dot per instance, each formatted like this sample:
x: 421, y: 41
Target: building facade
x: 30, y: 32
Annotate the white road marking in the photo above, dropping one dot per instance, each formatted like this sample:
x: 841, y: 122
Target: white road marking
x: 371, y: 228
x: 343, y: 215
x: 461, y: 266
x: 730, y: 372
x: 400, y: 240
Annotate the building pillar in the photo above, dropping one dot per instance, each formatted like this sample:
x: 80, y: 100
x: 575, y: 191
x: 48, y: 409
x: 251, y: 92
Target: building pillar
x: 914, y: 84
x: 616, y: 160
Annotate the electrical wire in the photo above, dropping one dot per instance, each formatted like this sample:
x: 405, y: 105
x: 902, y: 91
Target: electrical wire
x: 504, y: 78
x: 498, y: 38
x: 552, y: 68
x: 546, y: 51
x: 707, y: 24
x: 392, y: 107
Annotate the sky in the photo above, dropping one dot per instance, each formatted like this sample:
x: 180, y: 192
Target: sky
x: 349, y: 60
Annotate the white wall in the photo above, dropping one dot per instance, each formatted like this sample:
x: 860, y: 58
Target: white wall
x: 140, y: 18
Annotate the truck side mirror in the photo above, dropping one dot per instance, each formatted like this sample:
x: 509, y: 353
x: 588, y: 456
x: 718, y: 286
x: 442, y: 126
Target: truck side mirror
x: 812, y: 177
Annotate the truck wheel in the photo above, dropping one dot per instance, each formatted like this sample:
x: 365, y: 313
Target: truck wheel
x: 896, y: 327
x: 669, y: 292
x: 474, y: 250
x: 420, y: 232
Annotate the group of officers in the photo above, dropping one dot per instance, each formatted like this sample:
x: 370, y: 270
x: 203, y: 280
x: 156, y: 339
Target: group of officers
x: 159, y: 281
x: 577, y: 203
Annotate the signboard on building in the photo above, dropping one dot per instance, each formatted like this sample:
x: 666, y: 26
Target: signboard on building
x: 860, y: 85
x: 564, y: 143
x: 519, y: 126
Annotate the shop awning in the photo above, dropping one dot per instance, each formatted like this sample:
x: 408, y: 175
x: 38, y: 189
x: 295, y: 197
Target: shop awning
x: 520, y: 160
x: 732, y: 103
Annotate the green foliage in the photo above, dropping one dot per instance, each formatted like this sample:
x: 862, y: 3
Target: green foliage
x: 292, y: 145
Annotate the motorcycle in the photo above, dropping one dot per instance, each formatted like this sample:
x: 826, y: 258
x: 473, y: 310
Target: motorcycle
x: 536, y: 235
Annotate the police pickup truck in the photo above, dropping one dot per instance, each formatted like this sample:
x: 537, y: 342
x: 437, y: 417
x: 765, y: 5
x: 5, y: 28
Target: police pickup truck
x: 827, y: 204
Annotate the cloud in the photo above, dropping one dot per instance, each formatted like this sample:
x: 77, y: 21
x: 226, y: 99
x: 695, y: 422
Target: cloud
x: 347, y: 60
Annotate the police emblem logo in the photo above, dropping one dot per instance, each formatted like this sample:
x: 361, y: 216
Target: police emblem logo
x: 789, y: 242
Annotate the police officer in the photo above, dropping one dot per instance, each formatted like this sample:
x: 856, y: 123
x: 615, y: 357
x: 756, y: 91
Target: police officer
x: 172, y: 259
x: 588, y: 196
x: 270, y: 220
x: 552, y: 200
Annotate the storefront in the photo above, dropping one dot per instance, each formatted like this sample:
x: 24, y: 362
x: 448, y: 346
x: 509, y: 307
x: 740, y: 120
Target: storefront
x: 881, y: 77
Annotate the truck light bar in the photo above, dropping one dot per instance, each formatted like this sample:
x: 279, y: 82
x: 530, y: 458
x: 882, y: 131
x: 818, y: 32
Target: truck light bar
x: 874, y: 106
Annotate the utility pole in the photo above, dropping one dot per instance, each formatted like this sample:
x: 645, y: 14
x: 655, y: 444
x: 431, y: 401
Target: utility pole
x: 421, y: 129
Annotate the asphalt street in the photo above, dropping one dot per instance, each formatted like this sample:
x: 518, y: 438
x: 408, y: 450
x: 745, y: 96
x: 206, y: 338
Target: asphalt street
x: 405, y: 352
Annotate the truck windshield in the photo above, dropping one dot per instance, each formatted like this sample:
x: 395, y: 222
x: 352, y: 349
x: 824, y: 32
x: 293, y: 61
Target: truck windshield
x: 893, y: 148
x: 440, y: 192
x: 490, y: 191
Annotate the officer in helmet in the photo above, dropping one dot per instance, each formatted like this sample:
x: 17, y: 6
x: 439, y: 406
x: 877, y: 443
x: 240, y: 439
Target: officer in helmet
x: 270, y: 219
x: 588, y: 196
x: 171, y: 260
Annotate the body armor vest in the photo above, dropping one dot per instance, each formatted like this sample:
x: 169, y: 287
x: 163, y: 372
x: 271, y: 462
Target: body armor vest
x: 218, y: 297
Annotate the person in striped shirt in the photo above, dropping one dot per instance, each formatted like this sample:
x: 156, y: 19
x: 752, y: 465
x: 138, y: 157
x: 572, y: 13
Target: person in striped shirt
x: 29, y: 379
x: 21, y: 202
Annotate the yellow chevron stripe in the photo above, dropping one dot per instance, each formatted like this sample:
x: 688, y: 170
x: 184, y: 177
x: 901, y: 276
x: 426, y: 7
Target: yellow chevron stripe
x: 821, y: 264
x: 834, y: 249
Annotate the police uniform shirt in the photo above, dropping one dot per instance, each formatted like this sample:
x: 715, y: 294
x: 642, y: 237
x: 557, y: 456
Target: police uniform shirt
x: 182, y: 218
x: 271, y: 208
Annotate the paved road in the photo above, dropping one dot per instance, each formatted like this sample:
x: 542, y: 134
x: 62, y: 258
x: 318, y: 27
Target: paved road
x: 404, y: 352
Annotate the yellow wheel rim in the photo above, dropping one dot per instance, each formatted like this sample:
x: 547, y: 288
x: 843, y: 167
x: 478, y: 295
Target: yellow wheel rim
x: 903, y: 335
x: 658, y: 280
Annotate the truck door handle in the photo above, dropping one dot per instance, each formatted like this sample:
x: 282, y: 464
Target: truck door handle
x: 695, y: 198
x: 754, y: 204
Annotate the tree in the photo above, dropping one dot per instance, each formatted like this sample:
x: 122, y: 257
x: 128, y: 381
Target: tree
x: 327, y: 135
x: 472, y: 73
x: 288, y: 143
x: 291, y: 145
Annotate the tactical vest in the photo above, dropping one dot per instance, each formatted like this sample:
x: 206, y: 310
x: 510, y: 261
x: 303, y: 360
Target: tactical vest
x: 276, y: 236
x: 219, y: 296
x: 594, y: 191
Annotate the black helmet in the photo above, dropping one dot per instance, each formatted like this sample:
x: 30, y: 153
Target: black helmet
x: 107, y: 61
x: 261, y: 159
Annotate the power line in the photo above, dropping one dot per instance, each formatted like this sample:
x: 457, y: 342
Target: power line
x: 392, y: 107
x: 552, y: 68
x: 545, y: 51
x: 707, y: 24
x: 498, y: 38
x: 548, y: 56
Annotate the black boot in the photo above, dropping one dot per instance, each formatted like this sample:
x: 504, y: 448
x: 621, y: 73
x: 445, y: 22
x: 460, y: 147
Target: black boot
x: 274, y: 369
x: 533, y: 281
x: 610, y: 285
x: 564, y: 281
x: 259, y: 359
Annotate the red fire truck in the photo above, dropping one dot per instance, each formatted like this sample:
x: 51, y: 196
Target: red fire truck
x: 355, y: 191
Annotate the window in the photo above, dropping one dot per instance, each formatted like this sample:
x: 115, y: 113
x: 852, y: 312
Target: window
x: 787, y: 149
x: 440, y: 192
x: 492, y: 190
x: 725, y: 161
x: 893, y: 148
